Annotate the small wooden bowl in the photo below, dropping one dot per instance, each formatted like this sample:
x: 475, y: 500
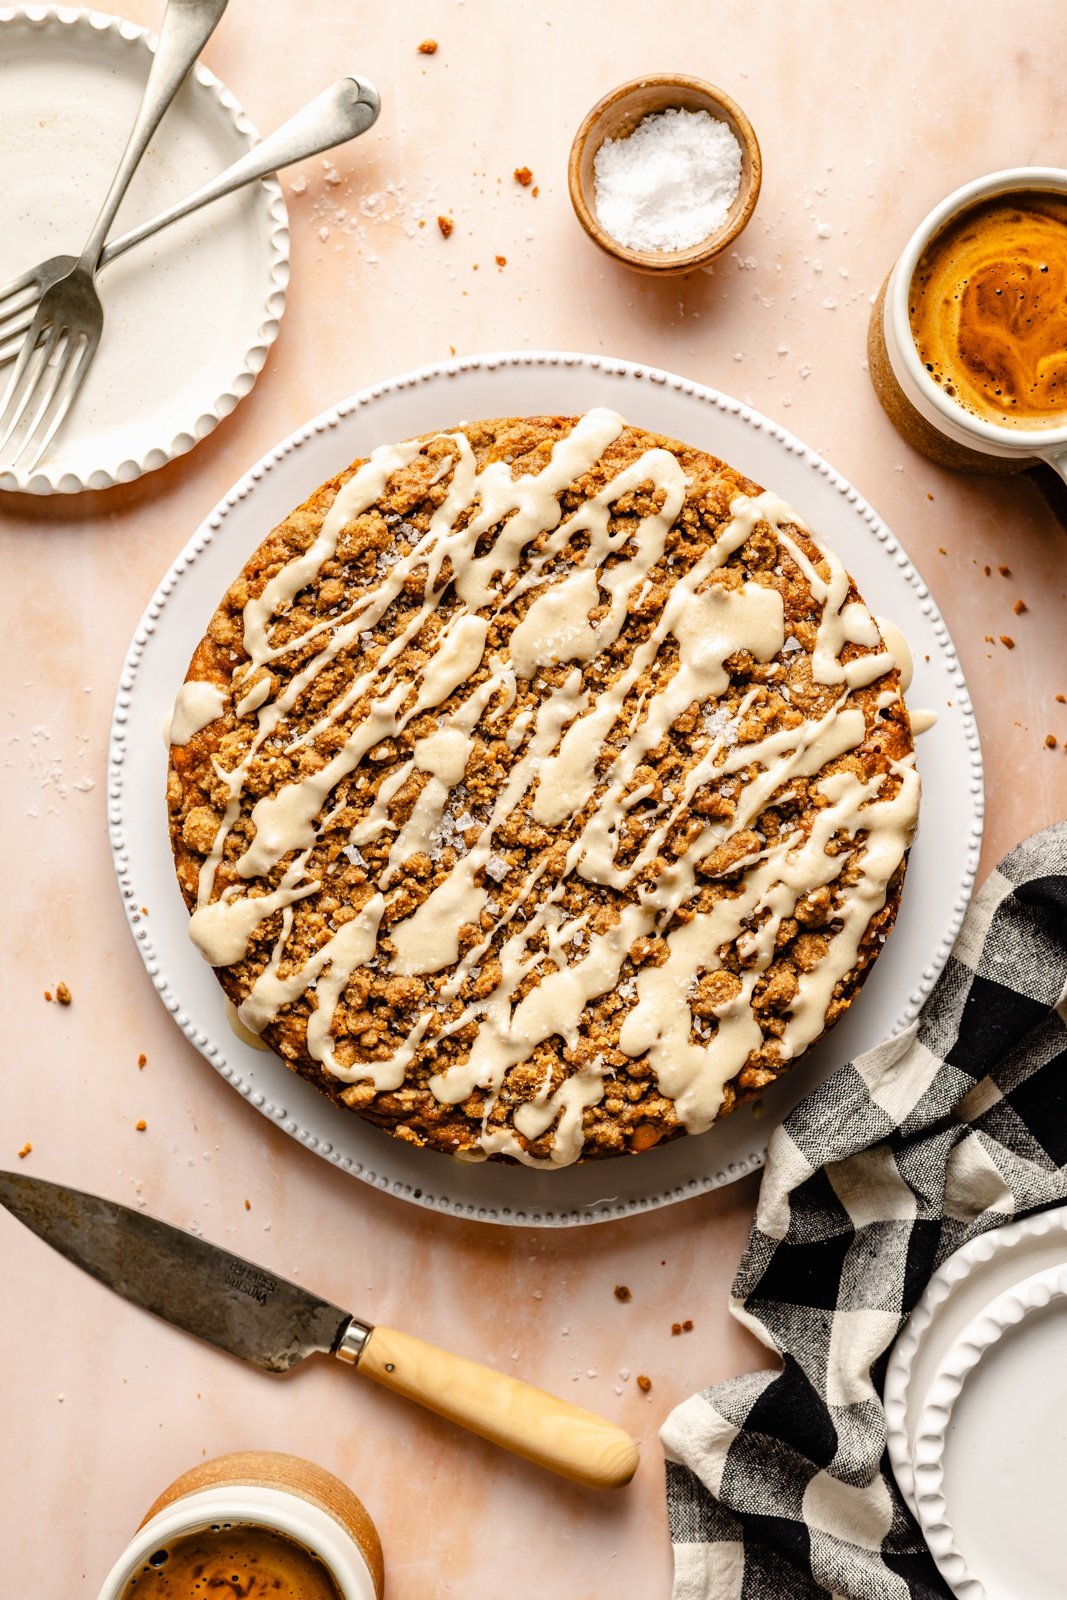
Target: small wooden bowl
x: 615, y: 117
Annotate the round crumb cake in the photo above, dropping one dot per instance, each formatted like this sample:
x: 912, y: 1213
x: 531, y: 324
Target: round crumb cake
x: 541, y: 789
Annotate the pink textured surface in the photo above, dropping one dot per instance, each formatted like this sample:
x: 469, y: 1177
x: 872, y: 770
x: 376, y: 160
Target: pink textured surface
x: 864, y: 122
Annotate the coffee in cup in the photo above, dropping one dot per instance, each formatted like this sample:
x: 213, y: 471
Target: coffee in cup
x: 225, y: 1561
x: 257, y: 1524
x: 988, y: 309
x: 967, y: 345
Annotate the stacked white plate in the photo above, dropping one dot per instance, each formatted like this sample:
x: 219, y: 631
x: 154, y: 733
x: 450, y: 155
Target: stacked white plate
x: 976, y: 1405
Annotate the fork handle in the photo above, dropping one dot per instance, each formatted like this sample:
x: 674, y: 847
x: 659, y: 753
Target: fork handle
x: 186, y: 27
x: 341, y: 112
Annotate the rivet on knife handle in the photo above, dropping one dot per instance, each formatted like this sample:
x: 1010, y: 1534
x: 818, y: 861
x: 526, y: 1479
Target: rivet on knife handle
x: 544, y: 1429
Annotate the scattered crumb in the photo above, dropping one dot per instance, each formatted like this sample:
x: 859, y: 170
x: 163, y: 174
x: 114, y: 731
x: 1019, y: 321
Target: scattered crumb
x: 144, y: 911
x: 1061, y: 700
x: 941, y: 550
x: 988, y: 571
x: 1050, y: 741
x: 428, y: 47
x: 248, y: 1205
x: 1007, y: 641
x: 622, y: 1292
x: 929, y: 496
x: 142, y: 1060
x: 535, y: 191
x: 676, y: 1328
x: 643, y: 1383
x: 524, y: 176
x: 24, y: 1152
x: 682, y: 1327
x: 1005, y: 572
x: 446, y: 225
x: 501, y: 261
x: 1019, y: 607
x: 49, y: 995
x: 141, y: 1125
x: 63, y: 994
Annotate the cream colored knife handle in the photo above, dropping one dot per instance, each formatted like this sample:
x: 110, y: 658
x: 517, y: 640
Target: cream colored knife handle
x: 514, y: 1415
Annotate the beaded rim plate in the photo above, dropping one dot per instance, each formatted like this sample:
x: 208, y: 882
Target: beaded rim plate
x: 943, y: 861
x: 960, y: 1288
x: 1001, y: 1320
x: 190, y: 314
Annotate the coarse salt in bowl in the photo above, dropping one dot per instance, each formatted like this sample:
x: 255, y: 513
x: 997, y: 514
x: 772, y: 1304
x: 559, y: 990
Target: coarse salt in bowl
x: 664, y: 173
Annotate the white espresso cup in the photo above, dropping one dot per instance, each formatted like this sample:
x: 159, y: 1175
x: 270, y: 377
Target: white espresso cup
x: 262, y: 1489
x: 919, y: 408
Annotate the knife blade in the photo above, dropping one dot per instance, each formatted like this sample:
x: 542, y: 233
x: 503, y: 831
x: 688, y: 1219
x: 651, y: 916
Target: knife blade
x: 252, y: 1313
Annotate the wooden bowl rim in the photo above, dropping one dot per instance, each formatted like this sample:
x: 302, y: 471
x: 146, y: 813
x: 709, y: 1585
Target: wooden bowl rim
x: 666, y: 261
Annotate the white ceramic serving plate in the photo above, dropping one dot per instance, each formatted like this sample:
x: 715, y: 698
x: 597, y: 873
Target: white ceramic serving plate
x: 943, y: 861
x: 991, y: 1448
x: 958, y: 1292
x: 188, y: 315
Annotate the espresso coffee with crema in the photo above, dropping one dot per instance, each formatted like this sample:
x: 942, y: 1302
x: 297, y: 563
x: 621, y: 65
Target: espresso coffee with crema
x: 232, y: 1563
x: 988, y: 309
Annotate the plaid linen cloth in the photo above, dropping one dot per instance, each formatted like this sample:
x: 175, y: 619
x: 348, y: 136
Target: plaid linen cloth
x: 778, y: 1483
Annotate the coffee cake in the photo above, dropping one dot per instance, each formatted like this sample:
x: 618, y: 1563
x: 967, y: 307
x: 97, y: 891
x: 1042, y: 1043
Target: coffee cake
x: 541, y: 789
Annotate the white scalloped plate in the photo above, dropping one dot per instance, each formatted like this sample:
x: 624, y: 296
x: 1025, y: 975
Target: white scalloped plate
x: 958, y: 1291
x: 943, y: 861
x: 190, y: 314
x: 991, y: 1448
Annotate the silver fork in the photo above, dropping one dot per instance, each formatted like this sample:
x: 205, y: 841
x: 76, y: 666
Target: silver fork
x: 342, y: 112
x: 65, y: 332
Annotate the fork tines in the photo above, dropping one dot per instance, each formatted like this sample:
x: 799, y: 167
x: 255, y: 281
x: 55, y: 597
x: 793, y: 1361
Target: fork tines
x: 40, y: 392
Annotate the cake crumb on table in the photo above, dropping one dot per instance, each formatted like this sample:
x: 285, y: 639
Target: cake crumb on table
x: 49, y: 996
x: 643, y: 1383
x: 446, y: 225
x: 1005, y: 572
x: 142, y: 1060
x: 524, y: 176
x: 25, y: 1151
x: 1019, y: 607
x: 501, y: 261
x: 140, y: 1125
x: 622, y: 1292
x: 248, y: 1205
x: 428, y: 47
x: 1050, y: 741
x: 63, y: 994
x: 1007, y: 641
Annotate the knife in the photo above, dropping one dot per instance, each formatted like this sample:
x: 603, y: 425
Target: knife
x: 250, y: 1312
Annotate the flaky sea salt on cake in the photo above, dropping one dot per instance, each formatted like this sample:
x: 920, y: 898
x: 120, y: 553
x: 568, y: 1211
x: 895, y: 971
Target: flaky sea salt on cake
x: 541, y: 789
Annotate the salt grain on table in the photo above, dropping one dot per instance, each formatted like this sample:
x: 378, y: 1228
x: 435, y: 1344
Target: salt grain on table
x: 671, y: 183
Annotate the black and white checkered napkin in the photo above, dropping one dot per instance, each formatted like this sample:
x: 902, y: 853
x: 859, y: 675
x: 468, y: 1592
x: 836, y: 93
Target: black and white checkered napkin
x: 778, y: 1483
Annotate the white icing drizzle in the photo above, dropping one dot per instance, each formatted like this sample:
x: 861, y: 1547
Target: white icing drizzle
x: 899, y: 649
x: 197, y: 704
x: 560, y: 777
x: 238, y: 1028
